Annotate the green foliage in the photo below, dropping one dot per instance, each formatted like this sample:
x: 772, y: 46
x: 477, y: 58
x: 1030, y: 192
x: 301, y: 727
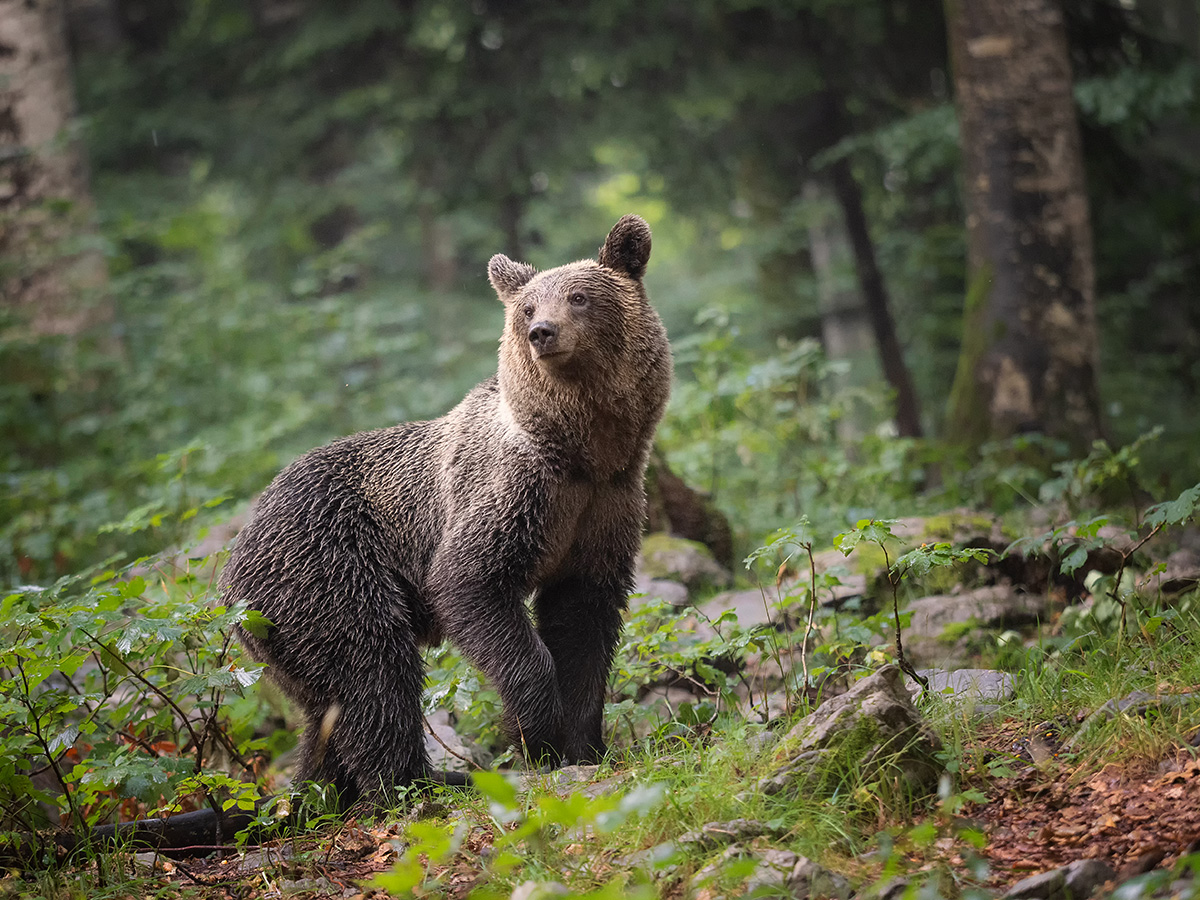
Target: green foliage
x: 658, y: 647
x: 739, y: 421
x: 1114, y: 593
x: 114, y: 686
x: 226, y: 377
x: 525, y: 834
x: 458, y: 687
x: 1104, y: 474
x: 269, y: 197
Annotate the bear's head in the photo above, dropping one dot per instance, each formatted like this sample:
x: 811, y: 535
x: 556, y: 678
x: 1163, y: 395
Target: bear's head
x: 581, y: 320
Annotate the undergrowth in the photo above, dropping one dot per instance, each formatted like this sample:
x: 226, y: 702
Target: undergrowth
x: 122, y: 695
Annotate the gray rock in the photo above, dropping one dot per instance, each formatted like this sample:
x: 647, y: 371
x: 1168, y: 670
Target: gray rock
x: 802, y: 769
x: 994, y: 606
x: 651, y: 589
x: 875, y: 719
x: 676, y: 559
x: 447, y: 750
x: 718, y: 834
x: 893, y: 889
x: 810, y: 880
x: 927, y: 641
x: 774, y: 869
x: 1076, y: 881
x: 967, y: 685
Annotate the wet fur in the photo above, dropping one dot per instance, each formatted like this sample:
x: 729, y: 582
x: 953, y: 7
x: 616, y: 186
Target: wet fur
x: 365, y: 550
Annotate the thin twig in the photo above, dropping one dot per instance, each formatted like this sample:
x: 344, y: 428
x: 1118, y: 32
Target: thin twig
x: 812, y: 612
x: 446, y: 747
x: 159, y: 692
x: 27, y: 701
x: 894, y: 581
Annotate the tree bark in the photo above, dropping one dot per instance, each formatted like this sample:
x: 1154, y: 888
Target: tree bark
x: 1029, y: 354
x: 875, y: 297
x: 845, y: 327
x: 44, y: 198
x: 95, y: 26
x: 440, y: 264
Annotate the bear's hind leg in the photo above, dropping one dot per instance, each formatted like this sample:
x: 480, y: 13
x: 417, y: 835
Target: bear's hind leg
x: 321, y: 764
x: 378, y: 734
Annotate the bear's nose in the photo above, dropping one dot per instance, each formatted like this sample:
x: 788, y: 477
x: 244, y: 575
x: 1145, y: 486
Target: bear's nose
x: 543, y: 336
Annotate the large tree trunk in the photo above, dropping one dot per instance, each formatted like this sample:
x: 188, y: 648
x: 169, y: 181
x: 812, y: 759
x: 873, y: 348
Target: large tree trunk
x: 51, y: 288
x: 44, y: 196
x: 1029, y: 356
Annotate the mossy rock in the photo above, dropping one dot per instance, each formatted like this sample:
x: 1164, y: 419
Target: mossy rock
x: 869, y: 733
x: 678, y: 559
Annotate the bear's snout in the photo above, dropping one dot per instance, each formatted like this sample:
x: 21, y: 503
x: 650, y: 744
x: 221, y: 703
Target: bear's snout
x: 544, y: 337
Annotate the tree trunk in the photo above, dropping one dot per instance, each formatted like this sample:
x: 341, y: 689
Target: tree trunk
x: 1029, y: 352
x: 846, y: 189
x: 512, y: 209
x: 95, y: 26
x: 44, y: 198
x: 845, y: 327
x: 437, y: 250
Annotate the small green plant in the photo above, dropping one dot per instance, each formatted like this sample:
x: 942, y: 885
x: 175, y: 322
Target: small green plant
x: 918, y: 562
x: 1105, y: 474
x: 114, y: 694
x: 742, y: 420
x: 657, y: 647
x: 526, y: 836
x: 1116, y: 594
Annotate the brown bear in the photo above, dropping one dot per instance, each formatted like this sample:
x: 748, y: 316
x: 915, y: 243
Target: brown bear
x: 364, y: 550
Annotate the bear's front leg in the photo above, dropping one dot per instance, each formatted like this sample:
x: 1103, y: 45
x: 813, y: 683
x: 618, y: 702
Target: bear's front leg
x: 580, y: 622
x: 483, y: 612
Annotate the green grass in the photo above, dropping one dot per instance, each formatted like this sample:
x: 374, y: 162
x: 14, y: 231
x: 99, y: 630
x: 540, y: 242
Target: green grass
x: 713, y: 778
x: 657, y: 792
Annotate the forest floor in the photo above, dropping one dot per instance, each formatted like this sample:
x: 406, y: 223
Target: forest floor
x: 1043, y: 811
x: 1092, y: 754
x: 1135, y: 814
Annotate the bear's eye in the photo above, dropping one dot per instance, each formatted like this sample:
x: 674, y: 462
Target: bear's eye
x: 528, y: 310
x: 578, y: 298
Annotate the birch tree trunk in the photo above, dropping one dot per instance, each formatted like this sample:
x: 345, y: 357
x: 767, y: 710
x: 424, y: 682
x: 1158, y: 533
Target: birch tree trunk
x: 44, y: 199
x: 1029, y: 354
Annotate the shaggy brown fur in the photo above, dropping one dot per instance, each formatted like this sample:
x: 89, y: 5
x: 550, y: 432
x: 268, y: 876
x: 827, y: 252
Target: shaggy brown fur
x: 362, y: 551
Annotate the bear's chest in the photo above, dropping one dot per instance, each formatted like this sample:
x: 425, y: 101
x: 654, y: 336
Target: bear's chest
x: 587, y: 529
x: 564, y: 520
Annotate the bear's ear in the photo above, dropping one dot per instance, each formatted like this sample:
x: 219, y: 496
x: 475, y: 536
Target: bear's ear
x: 627, y: 247
x: 508, y: 277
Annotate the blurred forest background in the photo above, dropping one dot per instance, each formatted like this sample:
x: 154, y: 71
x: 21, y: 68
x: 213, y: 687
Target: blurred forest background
x: 909, y: 254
